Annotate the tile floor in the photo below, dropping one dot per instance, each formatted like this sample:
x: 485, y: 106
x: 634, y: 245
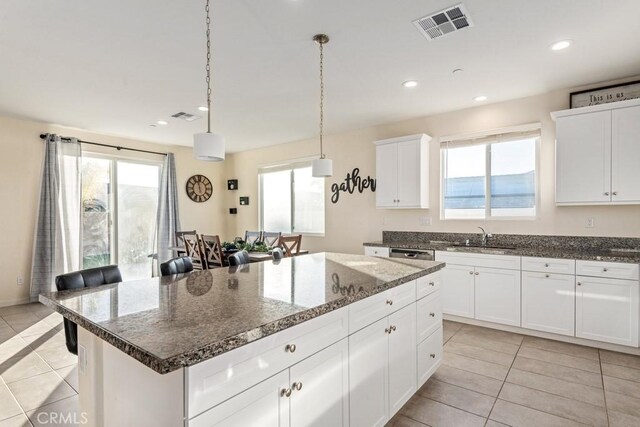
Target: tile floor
x: 488, y: 378
x: 493, y: 378
x: 37, y: 373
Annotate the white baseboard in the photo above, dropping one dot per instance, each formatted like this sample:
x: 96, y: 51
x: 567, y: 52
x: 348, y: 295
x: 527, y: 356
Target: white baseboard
x: 17, y: 301
x: 547, y: 335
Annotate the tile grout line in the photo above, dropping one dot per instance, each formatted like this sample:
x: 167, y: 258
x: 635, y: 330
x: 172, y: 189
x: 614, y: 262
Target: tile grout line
x: 604, y: 391
x: 505, y: 380
x: 549, y: 376
x: 17, y: 403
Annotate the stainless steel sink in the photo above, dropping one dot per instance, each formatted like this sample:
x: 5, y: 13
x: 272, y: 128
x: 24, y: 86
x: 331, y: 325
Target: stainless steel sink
x: 506, y: 248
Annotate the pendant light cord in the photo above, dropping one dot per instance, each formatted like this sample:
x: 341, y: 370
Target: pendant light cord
x: 321, y: 98
x: 208, y: 68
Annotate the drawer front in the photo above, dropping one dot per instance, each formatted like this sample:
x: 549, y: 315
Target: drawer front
x: 429, y: 315
x: 549, y: 265
x: 401, y: 296
x: 612, y: 270
x: 429, y: 356
x: 426, y: 285
x: 508, y: 262
x: 376, y: 251
x: 217, y: 379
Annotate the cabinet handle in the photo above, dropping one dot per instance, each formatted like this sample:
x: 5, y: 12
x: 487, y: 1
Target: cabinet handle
x: 606, y: 194
x: 546, y: 265
x: 297, y: 386
x: 471, y: 272
x: 432, y: 314
x: 605, y: 269
x: 291, y: 348
x: 546, y: 275
x: 579, y: 284
x: 393, y: 328
x: 432, y: 355
x: 390, y: 302
x: 286, y: 392
x: 477, y: 274
x: 431, y: 284
x: 615, y: 193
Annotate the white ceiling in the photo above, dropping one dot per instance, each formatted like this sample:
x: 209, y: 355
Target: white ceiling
x: 117, y: 66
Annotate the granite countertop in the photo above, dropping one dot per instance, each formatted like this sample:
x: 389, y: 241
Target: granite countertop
x: 588, y: 254
x: 176, y: 321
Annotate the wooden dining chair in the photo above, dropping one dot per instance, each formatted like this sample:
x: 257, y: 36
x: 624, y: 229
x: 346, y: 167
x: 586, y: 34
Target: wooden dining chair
x: 180, y: 240
x: 212, y: 251
x: 193, y: 249
x: 270, y: 238
x: 290, y: 244
x: 251, y: 237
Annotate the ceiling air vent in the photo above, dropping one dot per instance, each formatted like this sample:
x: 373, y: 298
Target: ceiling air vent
x: 185, y: 116
x: 446, y: 21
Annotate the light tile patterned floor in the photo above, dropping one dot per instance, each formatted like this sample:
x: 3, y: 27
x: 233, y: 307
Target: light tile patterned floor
x: 488, y: 378
x: 493, y: 378
x: 38, y: 376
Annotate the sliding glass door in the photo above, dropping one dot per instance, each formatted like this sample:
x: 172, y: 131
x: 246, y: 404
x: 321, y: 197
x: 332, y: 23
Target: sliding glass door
x: 119, y: 208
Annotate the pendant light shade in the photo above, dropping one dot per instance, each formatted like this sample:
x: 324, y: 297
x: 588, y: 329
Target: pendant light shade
x: 322, y: 168
x: 208, y: 146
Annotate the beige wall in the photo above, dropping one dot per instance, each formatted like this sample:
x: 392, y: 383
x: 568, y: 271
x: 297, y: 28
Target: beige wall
x: 21, y: 153
x: 355, y: 219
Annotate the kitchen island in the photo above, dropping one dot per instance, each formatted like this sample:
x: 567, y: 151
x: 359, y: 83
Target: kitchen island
x: 325, y: 339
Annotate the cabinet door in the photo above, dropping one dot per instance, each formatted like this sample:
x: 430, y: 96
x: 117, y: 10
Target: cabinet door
x: 402, y: 357
x: 369, y: 376
x: 625, y: 155
x: 320, y: 388
x: 386, y: 175
x: 378, y: 251
x: 458, y: 290
x: 583, y: 158
x: 409, y: 184
x: 497, y: 295
x: 548, y: 302
x: 260, y: 406
x: 607, y: 310
x: 429, y: 316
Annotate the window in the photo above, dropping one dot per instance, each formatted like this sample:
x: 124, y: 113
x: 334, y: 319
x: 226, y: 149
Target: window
x: 492, y: 176
x: 119, y: 209
x: 291, y: 200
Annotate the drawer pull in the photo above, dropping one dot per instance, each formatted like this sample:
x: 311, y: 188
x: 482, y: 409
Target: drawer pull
x: 606, y: 193
x: 286, y: 392
x: 605, y: 269
x: 615, y: 193
x: 546, y: 265
x: 579, y: 284
x: 432, y: 355
x: 477, y: 274
x: 393, y: 328
x: 431, y: 284
x: 297, y: 386
x: 471, y: 272
x: 546, y: 275
x: 387, y: 330
x: 432, y: 314
x: 390, y: 302
x: 291, y: 348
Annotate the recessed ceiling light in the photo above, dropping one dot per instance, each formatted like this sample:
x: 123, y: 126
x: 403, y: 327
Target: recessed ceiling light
x: 162, y: 122
x: 480, y: 98
x: 410, y: 83
x: 562, y: 44
x: 203, y: 108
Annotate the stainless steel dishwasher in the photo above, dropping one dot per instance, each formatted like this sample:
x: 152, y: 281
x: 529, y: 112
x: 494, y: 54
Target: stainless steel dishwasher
x: 424, y: 254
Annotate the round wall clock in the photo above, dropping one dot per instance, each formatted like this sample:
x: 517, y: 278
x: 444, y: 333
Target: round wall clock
x: 199, y: 188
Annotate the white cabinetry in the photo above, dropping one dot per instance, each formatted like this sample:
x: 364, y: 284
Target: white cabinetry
x: 597, y: 153
x: 483, y: 287
x: 402, y: 172
x: 379, y: 251
x: 548, y: 302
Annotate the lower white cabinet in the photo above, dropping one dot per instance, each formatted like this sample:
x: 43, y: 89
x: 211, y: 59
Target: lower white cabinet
x: 379, y: 251
x: 429, y: 356
x: 607, y: 310
x: 497, y: 295
x: 312, y: 392
x: 548, y: 302
x: 458, y: 293
x: 382, y: 368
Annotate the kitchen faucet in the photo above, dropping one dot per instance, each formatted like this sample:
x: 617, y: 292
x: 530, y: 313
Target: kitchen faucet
x: 485, y: 237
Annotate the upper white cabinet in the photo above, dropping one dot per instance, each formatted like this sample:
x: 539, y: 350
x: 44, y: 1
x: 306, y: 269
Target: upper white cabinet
x: 597, y: 153
x: 402, y: 172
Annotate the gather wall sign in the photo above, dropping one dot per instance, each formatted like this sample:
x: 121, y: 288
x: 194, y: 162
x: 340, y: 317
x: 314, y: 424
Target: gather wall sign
x: 351, y: 183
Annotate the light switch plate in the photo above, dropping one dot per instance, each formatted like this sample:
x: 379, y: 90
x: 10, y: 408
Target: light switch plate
x: 425, y: 220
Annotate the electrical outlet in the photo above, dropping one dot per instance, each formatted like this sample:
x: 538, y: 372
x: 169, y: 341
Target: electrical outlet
x: 589, y: 223
x: 425, y: 220
x: 20, y: 280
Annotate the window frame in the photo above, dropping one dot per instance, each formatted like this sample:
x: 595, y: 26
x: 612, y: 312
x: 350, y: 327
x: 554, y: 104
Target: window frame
x: 495, y: 135
x: 290, y: 166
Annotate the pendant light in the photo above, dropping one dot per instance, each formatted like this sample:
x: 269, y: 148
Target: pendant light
x: 207, y: 145
x: 321, y: 167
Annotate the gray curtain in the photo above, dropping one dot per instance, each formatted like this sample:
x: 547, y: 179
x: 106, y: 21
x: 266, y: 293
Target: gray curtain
x: 57, y: 241
x: 168, y: 221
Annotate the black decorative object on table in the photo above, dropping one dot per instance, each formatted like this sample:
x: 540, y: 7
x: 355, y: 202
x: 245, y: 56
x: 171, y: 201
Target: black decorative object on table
x: 351, y: 183
x: 244, y: 201
x: 232, y: 184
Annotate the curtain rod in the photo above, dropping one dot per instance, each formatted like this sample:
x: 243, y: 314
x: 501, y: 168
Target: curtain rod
x: 117, y: 147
